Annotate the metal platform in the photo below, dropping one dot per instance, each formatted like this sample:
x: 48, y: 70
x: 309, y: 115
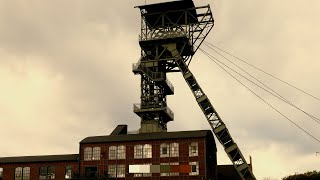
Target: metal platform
x: 163, y: 14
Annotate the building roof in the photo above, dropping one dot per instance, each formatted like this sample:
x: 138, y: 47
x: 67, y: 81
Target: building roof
x: 147, y: 136
x: 168, y: 6
x: 176, y: 13
x: 31, y: 159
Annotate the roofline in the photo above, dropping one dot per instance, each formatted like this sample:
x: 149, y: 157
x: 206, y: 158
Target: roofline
x: 41, y: 158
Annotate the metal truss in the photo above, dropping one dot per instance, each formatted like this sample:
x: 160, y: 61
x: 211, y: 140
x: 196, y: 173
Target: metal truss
x: 213, y: 118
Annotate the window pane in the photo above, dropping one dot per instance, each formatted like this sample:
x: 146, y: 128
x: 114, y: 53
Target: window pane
x: 68, y: 174
x: 112, y: 170
x: 113, y: 152
x: 121, y: 152
x: 147, y: 151
x: 96, y: 153
x: 87, y: 153
x: 164, y: 150
x: 194, y: 168
x: 18, y: 173
x: 51, y: 173
x: 138, y: 151
x: 121, y: 170
x: 26, y: 173
x: 174, y: 150
x: 1, y: 172
x: 193, y: 149
x: 43, y: 173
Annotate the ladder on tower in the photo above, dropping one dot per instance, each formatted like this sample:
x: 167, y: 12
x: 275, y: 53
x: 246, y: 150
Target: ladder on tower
x: 213, y: 118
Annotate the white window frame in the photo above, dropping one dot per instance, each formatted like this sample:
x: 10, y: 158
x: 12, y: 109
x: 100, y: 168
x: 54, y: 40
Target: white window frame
x: 121, y: 170
x: 18, y: 173
x: 117, y: 170
x: 96, y: 153
x: 196, y: 166
x: 121, y: 152
x: 26, y: 173
x: 163, y: 152
x: 138, y: 151
x: 113, y: 152
x: 112, y: 170
x: 68, y: 172
x: 147, y: 151
x: 1, y: 172
x: 193, y: 149
x: 87, y: 155
x: 174, y: 150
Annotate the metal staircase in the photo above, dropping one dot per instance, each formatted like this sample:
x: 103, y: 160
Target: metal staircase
x: 213, y: 118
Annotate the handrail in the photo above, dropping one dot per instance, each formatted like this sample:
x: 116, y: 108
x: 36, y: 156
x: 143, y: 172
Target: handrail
x: 162, y: 105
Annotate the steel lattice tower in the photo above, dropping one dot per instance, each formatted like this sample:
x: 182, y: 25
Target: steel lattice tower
x: 170, y: 35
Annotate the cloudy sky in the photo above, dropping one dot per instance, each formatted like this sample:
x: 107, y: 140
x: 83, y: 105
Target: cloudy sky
x: 65, y: 74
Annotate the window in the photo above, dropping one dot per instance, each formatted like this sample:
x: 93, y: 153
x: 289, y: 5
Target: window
x: 138, y: 151
x: 26, y: 173
x: 194, y: 168
x: 142, y: 151
x: 117, y: 170
x: 47, y: 172
x: 169, y: 150
x: 112, y: 170
x: 43, y: 173
x: 117, y: 152
x: 21, y: 173
x: 121, y: 170
x: 113, y: 152
x: 1, y: 173
x: 174, y: 150
x: 147, y: 151
x: 92, y: 153
x: 96, y: 153
x: 164, y: 150
x: 87, y: 153
x: 18, y: 173
x: 121, y: 152
x: 68, y: 173
x: 193, y: 149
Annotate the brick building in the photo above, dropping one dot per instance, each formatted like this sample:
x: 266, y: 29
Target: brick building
x: 109, y: 157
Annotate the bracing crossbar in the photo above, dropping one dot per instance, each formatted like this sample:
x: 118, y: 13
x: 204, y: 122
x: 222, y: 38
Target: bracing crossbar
x: 213, y: 118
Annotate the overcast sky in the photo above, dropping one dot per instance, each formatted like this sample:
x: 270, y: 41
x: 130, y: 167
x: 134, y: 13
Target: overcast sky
x: 65, y: 74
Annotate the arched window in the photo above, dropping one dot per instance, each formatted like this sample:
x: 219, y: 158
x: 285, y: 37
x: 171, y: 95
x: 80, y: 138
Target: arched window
x: 26, y: 173
x: 51, y: 172
x: 174, y: 150
x: 1, y: 173
x: 121, y: 154
x: 68, y: 172
x: 18, y: 173
x: 113, y: 152
x: 96, y: 153
x: 164, y: 150
x: 193, y: 149
x: 138, y: 150
x: 147, y: 151
x: 87, y: 153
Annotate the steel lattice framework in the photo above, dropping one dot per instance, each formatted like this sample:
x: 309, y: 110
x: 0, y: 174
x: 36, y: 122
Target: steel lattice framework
x: 171, y: 33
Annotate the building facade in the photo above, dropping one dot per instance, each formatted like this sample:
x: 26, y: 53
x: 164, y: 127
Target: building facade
x: 176, y: 155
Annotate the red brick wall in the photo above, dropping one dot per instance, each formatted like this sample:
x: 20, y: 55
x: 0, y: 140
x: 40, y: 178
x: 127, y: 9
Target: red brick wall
x: 9, y: 169
x: 182, y: 159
